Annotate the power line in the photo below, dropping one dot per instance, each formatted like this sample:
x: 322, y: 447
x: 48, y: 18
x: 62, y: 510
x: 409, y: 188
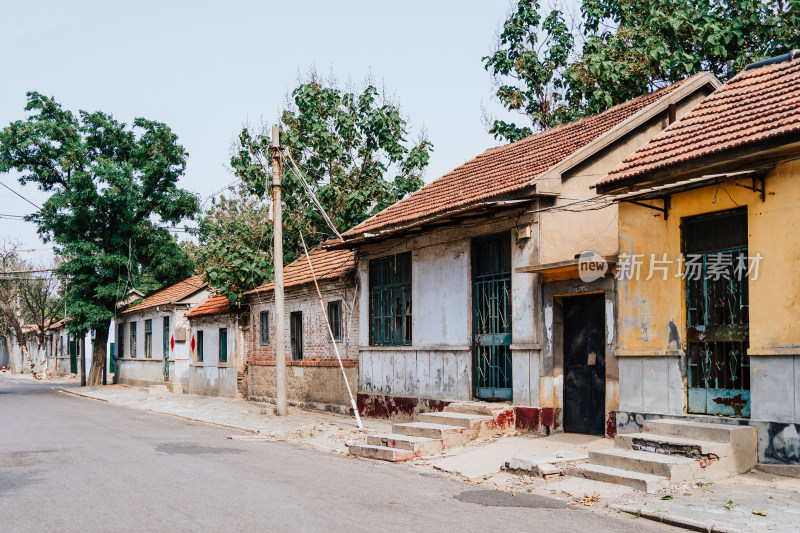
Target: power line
x: 18, y: 194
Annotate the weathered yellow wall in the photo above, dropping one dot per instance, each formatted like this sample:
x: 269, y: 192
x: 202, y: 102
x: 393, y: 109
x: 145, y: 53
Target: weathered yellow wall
x: 646, y: 308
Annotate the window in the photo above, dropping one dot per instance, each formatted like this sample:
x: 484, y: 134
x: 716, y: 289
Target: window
x: 264, y: 327
x: 390, y: 300
x: 223, y: 345
x: 335, y: 319
x: 133, y: 339
x: 148, y: 338
x: 121, y: 339
x: 296, y: 335
x: 165, y: 337
x: 200, y: 346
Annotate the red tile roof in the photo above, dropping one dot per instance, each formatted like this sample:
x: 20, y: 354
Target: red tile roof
x: 328, y: 265
x: 507, y: 168
x: 755, y: 105
x: 170, y: 295
x: 216, y: 305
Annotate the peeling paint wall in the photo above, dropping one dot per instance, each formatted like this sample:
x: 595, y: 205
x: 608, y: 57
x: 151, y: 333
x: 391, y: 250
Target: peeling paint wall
x: 651, y: 324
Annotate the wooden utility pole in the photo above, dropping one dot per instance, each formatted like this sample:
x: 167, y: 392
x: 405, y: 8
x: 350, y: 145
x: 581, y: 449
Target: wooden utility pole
x: 277, y: 259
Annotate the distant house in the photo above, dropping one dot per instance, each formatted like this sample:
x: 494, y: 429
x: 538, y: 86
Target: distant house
x: 714, y: 199
x: 152, y: 337
x: 471, y: 287
x: 218, y: 337
x: 314, y: 375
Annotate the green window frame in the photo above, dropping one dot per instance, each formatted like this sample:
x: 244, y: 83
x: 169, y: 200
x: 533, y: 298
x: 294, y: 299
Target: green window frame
x: 200, y: 346
x: 132, y: 334
x: 390, y: 300
x: 335, y: 319
x: 165, y: 337
x: 121, y: 339
x: 264, y: 327
x: 223, y: 345
x: 148, y: 339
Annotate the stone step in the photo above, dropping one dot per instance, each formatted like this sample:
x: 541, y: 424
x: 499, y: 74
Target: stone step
x: 450, y: 435
x: 701, y: 431
x: 463, y: 420
x: 419, y: 445
x: 635, y: 480
x: 381, y: 453
x: 674, y: 467
x: 672, y: 445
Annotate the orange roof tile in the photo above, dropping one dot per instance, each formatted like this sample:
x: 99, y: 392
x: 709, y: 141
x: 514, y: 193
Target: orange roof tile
x: 328, y: 265
x: 216, y: 305
x: 170, y: 294
x: 755, y: 105
x: 506, y: 168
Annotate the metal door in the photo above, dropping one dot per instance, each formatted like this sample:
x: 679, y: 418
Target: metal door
x: 717, y: 315
x: 73, y: 356
x: 165, y: 338
x: 491, y: 317
x: 584, y: 364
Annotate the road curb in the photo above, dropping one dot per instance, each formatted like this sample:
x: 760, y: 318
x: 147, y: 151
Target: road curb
x: 79, y: 395
x: 686, y: 523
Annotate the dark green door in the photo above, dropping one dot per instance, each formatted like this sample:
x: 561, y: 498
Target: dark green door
x: 717, y: 315
x: 73, y: 356
x: 166, y: 348
x: 491, y: 317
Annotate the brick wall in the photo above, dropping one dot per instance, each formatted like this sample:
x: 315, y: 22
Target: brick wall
x: 317, y: 378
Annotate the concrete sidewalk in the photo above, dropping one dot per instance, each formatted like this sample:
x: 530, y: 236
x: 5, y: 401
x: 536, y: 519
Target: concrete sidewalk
x: 749, y: 502
x: 322, y: 431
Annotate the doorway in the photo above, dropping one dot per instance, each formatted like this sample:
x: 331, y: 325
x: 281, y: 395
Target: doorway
x: 491, y: 317
x: 584, y: 364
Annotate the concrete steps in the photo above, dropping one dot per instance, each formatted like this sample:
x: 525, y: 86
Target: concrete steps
x: 433, y: 433
x: 635, y: 480
x: 671, y: 451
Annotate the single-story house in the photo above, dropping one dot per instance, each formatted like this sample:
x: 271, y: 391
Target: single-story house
x: 218, y: 333
x: 709, y: 226
x: 314, y: 378
x: 470, y: 288
x: 152, y: 336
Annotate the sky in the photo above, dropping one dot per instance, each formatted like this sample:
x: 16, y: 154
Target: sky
x: 207, y: 68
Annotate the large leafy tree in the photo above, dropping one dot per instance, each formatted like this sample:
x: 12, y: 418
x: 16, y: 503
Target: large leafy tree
x: 350, y: 146
x: 113, y: 190
x: 630, y: 47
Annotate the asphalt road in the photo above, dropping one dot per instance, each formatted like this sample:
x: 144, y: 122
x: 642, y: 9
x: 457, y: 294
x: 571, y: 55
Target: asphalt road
x: 74, y: 464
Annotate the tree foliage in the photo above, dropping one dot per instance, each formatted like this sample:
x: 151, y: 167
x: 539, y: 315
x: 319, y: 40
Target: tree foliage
x: 630, y: 47
x: 350, y: 145
x: 112, y: 189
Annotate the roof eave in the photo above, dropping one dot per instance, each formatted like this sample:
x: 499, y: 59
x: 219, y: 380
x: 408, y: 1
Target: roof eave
x: 550, y: 180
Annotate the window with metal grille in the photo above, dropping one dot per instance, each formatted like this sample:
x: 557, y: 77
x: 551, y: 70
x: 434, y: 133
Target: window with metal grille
x: 335, y: 319
x: 200, y: 346
x: 133, y: 339
x: 390, y: 300
x: 223, y: 345
x: 121, y: 339
x: 296, y: 334
x: 165, y: 337
x: 264, y: 327
x: 148, y: 339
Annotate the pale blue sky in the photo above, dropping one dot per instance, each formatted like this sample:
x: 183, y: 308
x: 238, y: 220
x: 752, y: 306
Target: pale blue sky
x: 205, y: 68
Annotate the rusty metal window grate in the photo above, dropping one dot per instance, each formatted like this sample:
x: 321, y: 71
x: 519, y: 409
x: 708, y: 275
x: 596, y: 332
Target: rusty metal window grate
x: 148, y: 339
x: 133, y: 339
x: 121, y: 340
x: 390, y: 300
x: 296, y: 335
x: 717, y: 314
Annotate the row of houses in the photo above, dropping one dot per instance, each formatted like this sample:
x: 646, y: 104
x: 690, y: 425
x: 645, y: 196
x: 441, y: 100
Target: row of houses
x: 637, y: 264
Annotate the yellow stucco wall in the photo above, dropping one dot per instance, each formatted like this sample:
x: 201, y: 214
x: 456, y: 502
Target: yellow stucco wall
x: 646, y: 308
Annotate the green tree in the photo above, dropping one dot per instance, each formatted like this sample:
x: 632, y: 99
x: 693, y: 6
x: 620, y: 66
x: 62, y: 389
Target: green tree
x: 352, y: 149
x: 112, y: 189
x: 630, y: 47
